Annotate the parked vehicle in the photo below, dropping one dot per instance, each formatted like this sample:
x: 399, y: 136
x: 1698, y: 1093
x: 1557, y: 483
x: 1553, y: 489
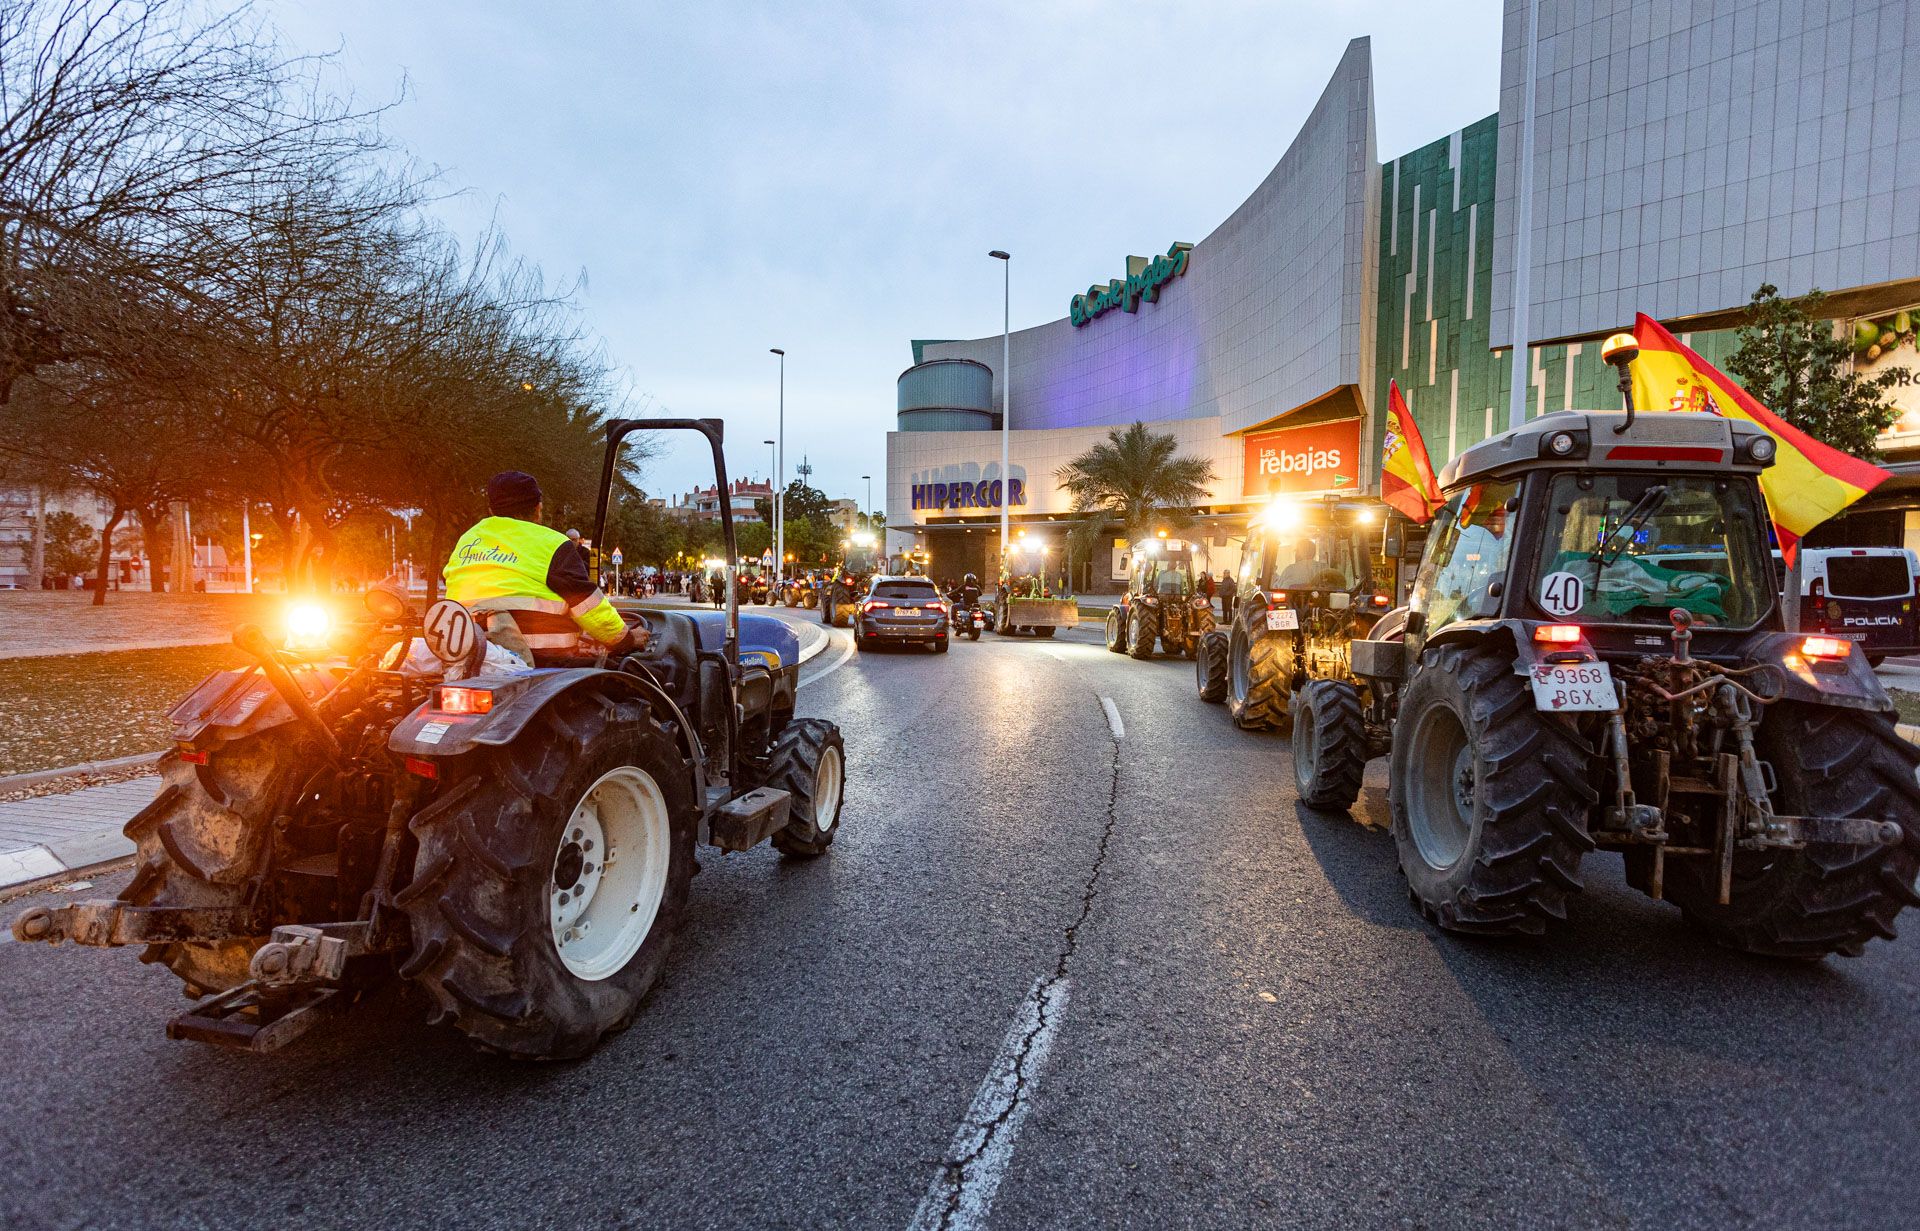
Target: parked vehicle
x: 1865, y: 594
x: 902, y: 611
x: 1594, y: 657
x: 401, y: 799
x: 1161, y: 602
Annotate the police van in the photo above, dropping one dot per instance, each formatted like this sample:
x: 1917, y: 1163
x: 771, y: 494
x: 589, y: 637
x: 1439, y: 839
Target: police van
x: 1863, y: 593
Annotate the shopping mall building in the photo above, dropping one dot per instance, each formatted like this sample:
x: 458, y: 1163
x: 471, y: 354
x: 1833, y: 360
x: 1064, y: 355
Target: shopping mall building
x: 1677, y: 162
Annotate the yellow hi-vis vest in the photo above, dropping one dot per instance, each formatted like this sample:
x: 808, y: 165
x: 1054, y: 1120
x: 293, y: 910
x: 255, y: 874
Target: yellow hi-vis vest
x: 538, y: 574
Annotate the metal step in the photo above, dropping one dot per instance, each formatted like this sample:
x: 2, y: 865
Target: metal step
x: 744, y: 823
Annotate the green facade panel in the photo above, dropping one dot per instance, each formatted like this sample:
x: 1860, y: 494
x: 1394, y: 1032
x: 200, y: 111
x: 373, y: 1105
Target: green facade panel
x: 1433, y: 298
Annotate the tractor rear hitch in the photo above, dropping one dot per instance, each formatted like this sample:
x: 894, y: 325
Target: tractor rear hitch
x: 110, y: 921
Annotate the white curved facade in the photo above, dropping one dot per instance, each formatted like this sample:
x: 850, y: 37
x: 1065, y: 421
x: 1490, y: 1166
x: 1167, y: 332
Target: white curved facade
x: 1245, y: 334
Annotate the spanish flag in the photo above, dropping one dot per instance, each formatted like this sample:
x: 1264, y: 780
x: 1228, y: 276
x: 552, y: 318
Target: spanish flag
x: 1406, y: 475
x: 1809, y: 481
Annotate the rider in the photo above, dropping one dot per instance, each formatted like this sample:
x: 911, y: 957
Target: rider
x: 510, y: 563
x: 969, y: 592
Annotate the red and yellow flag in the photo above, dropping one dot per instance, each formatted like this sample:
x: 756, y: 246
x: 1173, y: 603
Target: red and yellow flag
x: 1807, y: 483
x: 1406, y: 474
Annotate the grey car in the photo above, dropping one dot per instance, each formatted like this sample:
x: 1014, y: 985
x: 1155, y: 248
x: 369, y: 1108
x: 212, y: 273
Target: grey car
x: 902, y: 611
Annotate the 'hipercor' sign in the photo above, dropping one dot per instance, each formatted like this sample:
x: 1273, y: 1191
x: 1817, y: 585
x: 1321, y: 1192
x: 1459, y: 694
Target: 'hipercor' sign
x: 981, y: 495
x: 1144, y: 280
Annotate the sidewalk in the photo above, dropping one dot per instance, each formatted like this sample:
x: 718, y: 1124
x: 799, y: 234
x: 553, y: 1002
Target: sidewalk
x: 54, y: 835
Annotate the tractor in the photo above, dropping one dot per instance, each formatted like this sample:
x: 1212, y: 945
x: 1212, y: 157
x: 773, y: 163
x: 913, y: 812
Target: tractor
x: 1161, y: 602
x: 1307, y: 587
x: 842, y: 589
x: 1594, y: 657
x: 401, y: 798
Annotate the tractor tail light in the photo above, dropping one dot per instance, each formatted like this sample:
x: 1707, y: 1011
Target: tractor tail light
x: 1557, y: 634
x: 1280, y: 597
x: 423, y: 769
x: 1381, y: 600
x: 195, y: 758
x: 450, y: 700
x: 1825, y: 647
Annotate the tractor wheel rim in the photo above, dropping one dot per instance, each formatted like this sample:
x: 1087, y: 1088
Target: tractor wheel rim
x: 610, y: 873
x: 1441, y: 804
x: 828, y: 779
x: 1305, y: 758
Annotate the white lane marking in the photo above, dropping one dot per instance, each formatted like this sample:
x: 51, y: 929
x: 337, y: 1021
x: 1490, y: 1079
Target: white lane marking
x: 846, y: 652
x: 960, y: 1196
x: 1113, y: 718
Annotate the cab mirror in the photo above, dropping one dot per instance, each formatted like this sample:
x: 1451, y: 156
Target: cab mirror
x: 1395, y: 547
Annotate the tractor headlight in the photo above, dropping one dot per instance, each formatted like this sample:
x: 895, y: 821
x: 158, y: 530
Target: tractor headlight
x: 1763, y: 449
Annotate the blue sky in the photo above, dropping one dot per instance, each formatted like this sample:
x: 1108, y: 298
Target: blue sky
x: 828, y: 177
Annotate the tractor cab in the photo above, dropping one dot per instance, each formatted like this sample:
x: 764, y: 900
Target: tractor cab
x: 1162, y: 601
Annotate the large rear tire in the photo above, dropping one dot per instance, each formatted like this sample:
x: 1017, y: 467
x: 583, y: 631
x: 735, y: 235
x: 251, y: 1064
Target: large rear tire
x: 1142, y: 628
x: 202, y: 838
x: 1329, y: 744
x: 1257, y: 680
x: 551, y: 878
x: 1825, y: 898
x: 1489, y: 797
x: 809, y: 762
x: 1210, y: 667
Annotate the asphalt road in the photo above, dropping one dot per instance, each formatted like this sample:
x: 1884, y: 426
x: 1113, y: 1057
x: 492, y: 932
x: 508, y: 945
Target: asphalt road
x: 1228, y: 1015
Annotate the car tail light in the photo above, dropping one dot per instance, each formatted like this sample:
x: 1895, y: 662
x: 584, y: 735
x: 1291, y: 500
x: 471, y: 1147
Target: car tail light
x: 1825, y: 647
x: 1557, y: 634
x: 450, y: 700
x: 1816, y: 589
x: 874, y: 605
x: 939, y: 607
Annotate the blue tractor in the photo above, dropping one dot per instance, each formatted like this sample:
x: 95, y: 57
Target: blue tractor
x: 393, y: 797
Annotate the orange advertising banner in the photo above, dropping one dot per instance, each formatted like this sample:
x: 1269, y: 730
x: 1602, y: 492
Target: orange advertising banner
x: 1316, y: 457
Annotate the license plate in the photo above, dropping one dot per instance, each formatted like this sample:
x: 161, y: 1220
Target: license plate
x: 1574, y: 688
x: 906, y: 611
x: 1282, y: 620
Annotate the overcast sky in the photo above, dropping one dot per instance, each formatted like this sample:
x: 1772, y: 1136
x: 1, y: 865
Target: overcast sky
x: 828, y: 177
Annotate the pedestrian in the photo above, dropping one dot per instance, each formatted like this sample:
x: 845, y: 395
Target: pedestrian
x: 1228, y: 590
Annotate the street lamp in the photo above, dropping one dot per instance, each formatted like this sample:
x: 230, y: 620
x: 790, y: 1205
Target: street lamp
x: 869, y: 509
x: 779, y: 465
x: 1006, y: 388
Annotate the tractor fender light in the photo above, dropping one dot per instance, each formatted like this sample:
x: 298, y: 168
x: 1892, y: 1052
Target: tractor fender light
x: 1556, y: 634
x: 1381, y: 600
x: 451, y: 700
x: 1825, y: 647
x: 192, y: 757
x: 422, y: 769
x: 1280, y: 596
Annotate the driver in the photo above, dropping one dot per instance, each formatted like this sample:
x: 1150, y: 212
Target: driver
x: 536, y: 576
x: 1305, y: 566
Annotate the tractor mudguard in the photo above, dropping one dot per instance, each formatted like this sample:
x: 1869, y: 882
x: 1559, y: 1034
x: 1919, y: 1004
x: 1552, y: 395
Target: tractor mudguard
x: 1846, y: 682
x: 229, y: 704
x: 516, y: 700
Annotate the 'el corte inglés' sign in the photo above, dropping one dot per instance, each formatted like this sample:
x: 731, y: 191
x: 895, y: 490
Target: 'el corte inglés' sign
x: 1144, y: 280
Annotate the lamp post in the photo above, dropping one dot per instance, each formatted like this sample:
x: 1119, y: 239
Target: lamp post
x: 1006, y: 392
x: 867, y: 511
x: 779, y: 466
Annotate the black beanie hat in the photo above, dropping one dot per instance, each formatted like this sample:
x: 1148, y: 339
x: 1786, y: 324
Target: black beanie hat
x: 512, y: 491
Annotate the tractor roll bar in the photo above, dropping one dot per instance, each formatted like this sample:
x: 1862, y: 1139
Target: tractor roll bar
x: 715, y: 432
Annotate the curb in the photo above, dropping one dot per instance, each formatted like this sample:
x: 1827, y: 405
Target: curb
x: 14, y: 782
x: 34, y: 866
x: 1909, y: 732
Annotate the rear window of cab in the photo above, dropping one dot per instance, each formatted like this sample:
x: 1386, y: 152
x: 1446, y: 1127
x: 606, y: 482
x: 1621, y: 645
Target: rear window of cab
x: 918, y: 590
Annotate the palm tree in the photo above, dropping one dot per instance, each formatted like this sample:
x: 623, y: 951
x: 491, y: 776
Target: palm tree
x: 1134, y: 477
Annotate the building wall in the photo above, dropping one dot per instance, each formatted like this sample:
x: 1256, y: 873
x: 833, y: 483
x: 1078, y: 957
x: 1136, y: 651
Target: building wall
x: 1272, y: 312
x: 1687, y: 151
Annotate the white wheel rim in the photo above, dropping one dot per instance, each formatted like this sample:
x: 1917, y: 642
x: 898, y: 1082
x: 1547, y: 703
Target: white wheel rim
x: 827, y: 777
x: 609, y: 873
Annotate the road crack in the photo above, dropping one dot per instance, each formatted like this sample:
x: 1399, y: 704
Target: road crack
x: 1006, y: 1096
